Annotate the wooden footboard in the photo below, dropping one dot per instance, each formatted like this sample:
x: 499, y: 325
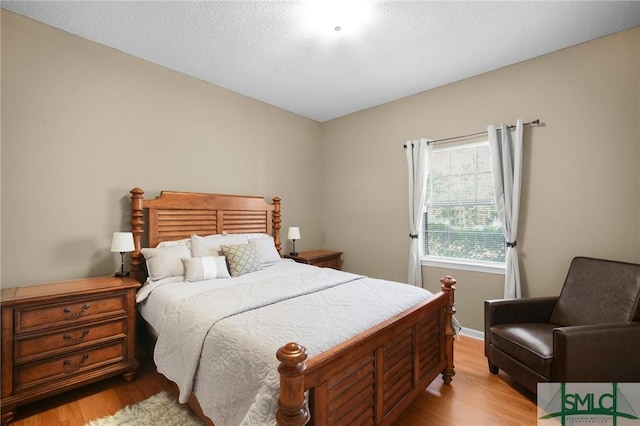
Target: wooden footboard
x: 373, y: 377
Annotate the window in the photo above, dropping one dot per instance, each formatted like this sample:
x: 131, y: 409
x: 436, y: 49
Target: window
x: 461, y: 223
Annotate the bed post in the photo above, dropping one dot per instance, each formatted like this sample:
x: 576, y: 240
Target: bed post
x: 448, y: 289
x: 292, y: 410
x: 276, y: 223
x: 137, y: 228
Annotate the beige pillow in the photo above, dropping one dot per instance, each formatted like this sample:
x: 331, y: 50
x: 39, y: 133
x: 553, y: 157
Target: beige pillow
x: 249, y: 235
x: 164, y: 262
x: 185, y: 241
x: 241, y: 259
x: 210, y: 246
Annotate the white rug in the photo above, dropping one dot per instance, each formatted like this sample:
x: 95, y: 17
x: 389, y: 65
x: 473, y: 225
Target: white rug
x: 160, y: 409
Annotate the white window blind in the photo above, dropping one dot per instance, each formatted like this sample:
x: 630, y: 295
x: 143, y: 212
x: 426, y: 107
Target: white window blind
x: 461, y: 221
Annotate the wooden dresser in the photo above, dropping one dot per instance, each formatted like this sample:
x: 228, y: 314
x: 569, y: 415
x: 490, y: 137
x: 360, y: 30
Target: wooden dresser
x: 321, y: 258
x: 63, y: 335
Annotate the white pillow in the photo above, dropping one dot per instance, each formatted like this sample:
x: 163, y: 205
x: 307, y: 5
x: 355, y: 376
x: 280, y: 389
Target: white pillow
x: 205, y: 268
x: 185, y: 242
x: 210, y: 246
x: 266, y: 249
x: 164, y: 262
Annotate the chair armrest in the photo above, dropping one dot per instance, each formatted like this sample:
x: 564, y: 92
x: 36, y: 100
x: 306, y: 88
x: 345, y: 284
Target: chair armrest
x: 509, y: 311
x: 597, y: 353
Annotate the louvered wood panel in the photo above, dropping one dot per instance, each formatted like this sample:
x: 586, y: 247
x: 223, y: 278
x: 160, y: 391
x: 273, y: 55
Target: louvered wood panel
x: 364, y: 420
x: 239, y: 221
x: 354, y: 411
x: 398, y: 369
x: 350, y: 395
x: 430, y: 341
x: 177, y: 224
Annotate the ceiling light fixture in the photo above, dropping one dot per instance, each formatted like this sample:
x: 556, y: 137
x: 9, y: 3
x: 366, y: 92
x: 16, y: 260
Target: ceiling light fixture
x: 318, y: 17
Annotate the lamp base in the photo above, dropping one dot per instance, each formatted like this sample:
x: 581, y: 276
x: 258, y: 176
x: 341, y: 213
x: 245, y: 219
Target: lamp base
x: 293, y: 253
x: 122, y: 274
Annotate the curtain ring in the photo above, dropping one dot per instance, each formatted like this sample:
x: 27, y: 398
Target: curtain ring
x: 413, y: 236
x: 513, y: 244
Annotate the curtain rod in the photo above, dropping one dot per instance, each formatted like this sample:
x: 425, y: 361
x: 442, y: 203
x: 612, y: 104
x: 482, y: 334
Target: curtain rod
x: 511, y: 126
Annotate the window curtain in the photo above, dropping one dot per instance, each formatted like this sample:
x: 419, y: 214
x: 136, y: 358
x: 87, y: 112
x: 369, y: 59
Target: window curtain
x: 506, y: 166
x: 418, y: 153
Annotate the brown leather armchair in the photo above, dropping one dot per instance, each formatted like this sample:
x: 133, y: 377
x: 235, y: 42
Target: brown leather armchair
x: 590, y: 333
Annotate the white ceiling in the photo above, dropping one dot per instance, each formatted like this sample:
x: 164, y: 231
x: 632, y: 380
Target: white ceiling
x: 271, y: 51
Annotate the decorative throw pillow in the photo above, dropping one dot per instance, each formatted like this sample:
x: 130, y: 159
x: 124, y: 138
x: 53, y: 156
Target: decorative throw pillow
x: 266, y: 249
x: 205, y: 268
x: 164, y: 262
x: 210, y: 246
x: 241, y: 258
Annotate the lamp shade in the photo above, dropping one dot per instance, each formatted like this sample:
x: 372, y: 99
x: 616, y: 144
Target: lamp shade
x: 294, y: 233
x: 122, y: 241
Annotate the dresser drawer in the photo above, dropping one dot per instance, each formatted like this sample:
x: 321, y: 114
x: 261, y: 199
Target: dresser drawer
x: 50, y: 316
x: 75, y: 363
x: 40, y: 346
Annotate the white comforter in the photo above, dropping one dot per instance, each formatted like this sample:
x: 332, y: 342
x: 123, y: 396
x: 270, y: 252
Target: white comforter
x: 221, y: 343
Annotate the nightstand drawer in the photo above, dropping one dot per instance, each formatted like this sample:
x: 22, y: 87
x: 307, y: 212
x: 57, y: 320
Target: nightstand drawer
x: 321, y: 258
x: 50, y: 316
x: 328, y: 263
x: 37, y: 347
x: 33, y: 374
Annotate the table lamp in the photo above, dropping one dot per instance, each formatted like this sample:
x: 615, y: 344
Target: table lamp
x: 294, y: 234
x: 122, y: 242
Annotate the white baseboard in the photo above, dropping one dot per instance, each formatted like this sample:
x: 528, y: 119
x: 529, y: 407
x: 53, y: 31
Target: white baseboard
x: 474, y: 334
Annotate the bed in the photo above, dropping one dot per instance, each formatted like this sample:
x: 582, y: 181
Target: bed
x: 362, y: 372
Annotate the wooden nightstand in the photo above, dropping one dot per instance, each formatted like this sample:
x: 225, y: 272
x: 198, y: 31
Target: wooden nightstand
x: 322, y: 258
x: 63, y: 335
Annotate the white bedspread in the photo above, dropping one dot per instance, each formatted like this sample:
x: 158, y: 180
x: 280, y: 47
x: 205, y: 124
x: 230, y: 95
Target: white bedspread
x: 221, y: 343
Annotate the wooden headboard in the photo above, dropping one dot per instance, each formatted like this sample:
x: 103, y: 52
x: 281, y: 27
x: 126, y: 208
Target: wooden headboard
x: 176, y: 215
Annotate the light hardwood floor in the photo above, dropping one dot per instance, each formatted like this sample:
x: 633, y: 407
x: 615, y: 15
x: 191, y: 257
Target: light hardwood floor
x: 475, y: 397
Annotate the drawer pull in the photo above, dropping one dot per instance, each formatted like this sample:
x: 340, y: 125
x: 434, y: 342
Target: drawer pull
x: 67, y: 310
x: 67, y: 336
x: 67, y: 362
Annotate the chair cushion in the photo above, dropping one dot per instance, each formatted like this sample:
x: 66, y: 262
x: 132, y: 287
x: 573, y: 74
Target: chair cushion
x: 529, y: 343
x: 598, y: 291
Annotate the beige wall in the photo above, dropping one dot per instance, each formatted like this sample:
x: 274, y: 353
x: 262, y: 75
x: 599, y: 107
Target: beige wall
x: 74, y: 113
x: 581, y: 168
x: 82, y: 124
